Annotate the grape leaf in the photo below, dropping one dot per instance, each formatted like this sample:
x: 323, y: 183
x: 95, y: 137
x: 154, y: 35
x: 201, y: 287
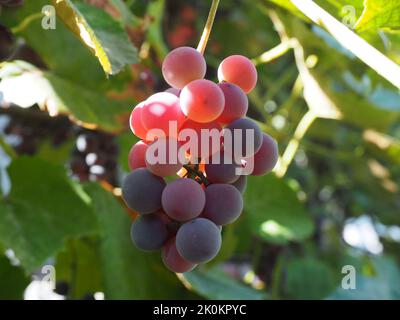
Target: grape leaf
x: 309, y: 278
x: 273, y: 211
x: 214, y: 284
x: 379, y: 14
x: 59, y: 95
x: 79, y: 265
x: 100, y: 33
x: 12, y: 280
x: 43, y: 208
x: 59, y: 49
x: 383, y: 285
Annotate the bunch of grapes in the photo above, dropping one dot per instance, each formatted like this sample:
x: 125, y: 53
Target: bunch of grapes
x: 185, y: 216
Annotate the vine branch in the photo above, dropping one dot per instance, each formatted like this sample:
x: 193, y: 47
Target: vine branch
x: 288, y: 155
x: 207, y: 28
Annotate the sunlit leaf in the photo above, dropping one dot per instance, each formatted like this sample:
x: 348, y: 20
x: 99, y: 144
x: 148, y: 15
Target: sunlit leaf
x: 214, y: 284
x: 100, y: 33
x: 274, y: 212
x: 379, y: 14
x: 43, y: 208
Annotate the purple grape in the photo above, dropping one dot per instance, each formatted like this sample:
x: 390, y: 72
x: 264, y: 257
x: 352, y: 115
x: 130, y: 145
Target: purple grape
x: 224, y: 171
x: 224, y: 204
x: 198, y: 240
x: 235, y: 135
x: 142, y: 191
x: 183, y: 199
x: 241, y: 184
x: 149, y: 232
x: 173, y: 260
x: 267, y: 157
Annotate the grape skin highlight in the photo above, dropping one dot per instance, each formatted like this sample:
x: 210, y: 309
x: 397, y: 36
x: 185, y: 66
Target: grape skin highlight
x: 159, y: 112
x: 135, y: 121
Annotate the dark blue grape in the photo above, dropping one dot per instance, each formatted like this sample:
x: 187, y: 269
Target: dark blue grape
x: 224, y: 204
x: 241, y: 184
x: 149, y: 232
x: 239, y: 139
x: 142, y: 191
x: 198, y: 240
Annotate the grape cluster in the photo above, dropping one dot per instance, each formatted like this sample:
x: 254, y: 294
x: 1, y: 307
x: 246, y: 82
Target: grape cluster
x: 184, y: 217
x: 94, y: 157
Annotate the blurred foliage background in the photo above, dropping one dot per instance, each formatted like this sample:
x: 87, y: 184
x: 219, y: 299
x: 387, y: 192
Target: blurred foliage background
x: 65, y: 99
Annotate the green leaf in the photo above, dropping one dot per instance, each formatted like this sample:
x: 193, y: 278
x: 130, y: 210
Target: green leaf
x: 43, y: 208
x: 154, y: 34
x: 127, y: 17
x: 60, y: 95
x: 12, y: 280
x: 309, y: 278
x: 274, y: 212
x: 127, y: 272
x: 215, y: 284
x: 79, y: 265
x: 100, y: 33
x: 379, y: 14
x: 59, y: 49
x: 382, y: 285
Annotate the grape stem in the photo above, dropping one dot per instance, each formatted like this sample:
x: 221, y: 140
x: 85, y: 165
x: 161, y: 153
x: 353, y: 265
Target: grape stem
x: 193, y: 172
x: 207, y: 28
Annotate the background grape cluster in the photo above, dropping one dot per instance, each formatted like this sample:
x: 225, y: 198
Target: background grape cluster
x: 184, y: 217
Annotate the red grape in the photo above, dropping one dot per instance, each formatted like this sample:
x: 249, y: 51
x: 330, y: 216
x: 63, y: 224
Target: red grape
x: 236, y: 103
x: 239, y: 70
x: 173, y: 260
x: 205, y: 147
x: 162, y: 157
x: 183, y: 65
x: 136, y: 157
x: 136, y: 123
x: 202, y: 101
x: 183, y: 199
x: 224, y: 204
x: 159, y: 112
